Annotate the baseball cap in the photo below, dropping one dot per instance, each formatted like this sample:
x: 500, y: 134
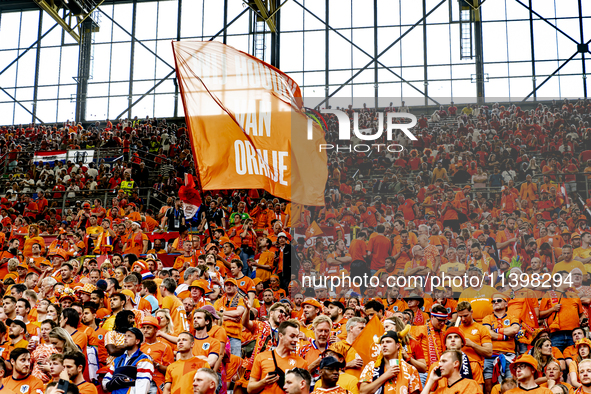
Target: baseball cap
x: 331, y: 361
x: 338, y: 304
x: 211, y: 310
x: 137, y: 332
x: 231, y: 280
x: 18, y: 322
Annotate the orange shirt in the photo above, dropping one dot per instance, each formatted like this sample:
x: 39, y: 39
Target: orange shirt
x: 266, y: 258
x: 380, y: 247
x: 492, y: 322
x: 206, y: 346
x: 233, y: 329
x: 135, y: 243
x: 479, y: 335
x: 162, y: 354
x: 358, y: 249
x: 81, y: 340
x: 97, y: 340
x: 28, y: 385
x: 568, y: 316
x: 87, y: 388
x: 177, y: 313
x: 407, y: 381
x: 263, y: 364
x: 180, y: 375
x: 462, y: 386
x: 538, y: 390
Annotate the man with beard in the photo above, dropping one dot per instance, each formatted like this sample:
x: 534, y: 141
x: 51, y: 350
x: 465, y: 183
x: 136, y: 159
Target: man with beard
x: 297, y: 311
x: 477, y: 343
x: 233, y: 309
x: 16, y: 332
x: 525, y: 369
x: 388, y: 371
x: 312, y: 351
x: 430, y: 336
x: 584, y: 377
x: 395, y: 301
x: 480, y: 259
x: 449, y: 368
x: 161, y: 352
x: 74, y: 364
x: 266, y: 334
x: 312, y: 308
x: 336, y: 310
x: 21, y: 380
x: 506, y: 239
x: 179, y: 376
x: 97, y: 334
x: 262, y: 379
x: 132, y: 356
x: 330, y: 369
x: 440, y: 297
x: 205, y: 347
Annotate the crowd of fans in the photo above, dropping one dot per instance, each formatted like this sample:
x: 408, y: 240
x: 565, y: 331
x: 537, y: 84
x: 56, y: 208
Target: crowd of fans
x: 118, y: 294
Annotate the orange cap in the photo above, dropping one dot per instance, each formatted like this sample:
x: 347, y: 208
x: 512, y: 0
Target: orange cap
x: 312, y: 301
x: 150, y: 321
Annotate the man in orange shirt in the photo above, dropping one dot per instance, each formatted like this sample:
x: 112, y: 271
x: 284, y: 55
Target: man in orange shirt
x: 69, y: 321
x: 137, y: 243
x: 262, y: 380
x: 525, y: 370
x: 358, y: 247
x: 74, y: 365
x: 450, y: 210
x: 478, y: 340
x: 21, y: 380
x: 379, y: 248
x: 205, y: 347
x: 174, y: 305
x: 232, y: 306
x: 506, y: 240
x: 179, y: 375
x: 160, y: 352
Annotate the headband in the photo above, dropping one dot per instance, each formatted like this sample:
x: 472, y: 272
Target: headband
x: 439, y: 315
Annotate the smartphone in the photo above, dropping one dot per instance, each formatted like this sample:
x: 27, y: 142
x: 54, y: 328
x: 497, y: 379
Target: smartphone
x: 438, y: 371
x: 63, y: 385
x: 273, y: 373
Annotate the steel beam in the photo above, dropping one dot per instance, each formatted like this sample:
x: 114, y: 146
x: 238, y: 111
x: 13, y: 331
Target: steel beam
x: 178, y: 38
x: 425, y: 70
x: 135, y: 39
x: 584, y: 68
x: 37, y: 61
x: 132, y: 58
x: 550, y: 76
x: 145, y: 94
x: 28, y: 49
x: 548, y: 22
x: 374, y: 59
x: 479, y: 55
x: 84, y: 60
x: 173, y: 69
x: 533, y: 54
x: 18, y: 102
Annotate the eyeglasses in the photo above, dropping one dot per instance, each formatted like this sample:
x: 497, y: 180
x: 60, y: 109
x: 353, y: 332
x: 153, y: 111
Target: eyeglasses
x: 498, y: 301
x: 521, y: 366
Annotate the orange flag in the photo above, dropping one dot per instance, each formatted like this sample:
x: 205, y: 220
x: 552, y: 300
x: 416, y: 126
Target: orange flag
x: 246, y: 124
x: 365, y: 344
x: 313, y: 231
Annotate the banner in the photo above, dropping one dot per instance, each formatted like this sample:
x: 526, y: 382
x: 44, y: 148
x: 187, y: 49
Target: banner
x: 75, y: 155
x: 327, y: 234
x: 365, y: 344
x: 241, y: 115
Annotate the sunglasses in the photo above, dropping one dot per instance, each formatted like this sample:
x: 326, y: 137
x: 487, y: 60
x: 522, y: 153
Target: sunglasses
x: 281, y: 311
x: 297, y: 371
x: 498, y: 301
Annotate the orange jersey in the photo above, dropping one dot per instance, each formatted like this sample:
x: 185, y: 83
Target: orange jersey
x: 162, y: 354
x: 177, y: 313
x: 263, y: 364
x: 180, y: 375
x: 492, y: 322
x: 478, y: 334
x: 28, y: 385
x: 206, y: 346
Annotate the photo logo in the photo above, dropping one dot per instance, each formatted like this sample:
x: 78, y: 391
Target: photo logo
x: 344, y: 128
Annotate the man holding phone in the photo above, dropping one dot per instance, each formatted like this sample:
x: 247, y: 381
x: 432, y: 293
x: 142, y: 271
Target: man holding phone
x: 449, y: 368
